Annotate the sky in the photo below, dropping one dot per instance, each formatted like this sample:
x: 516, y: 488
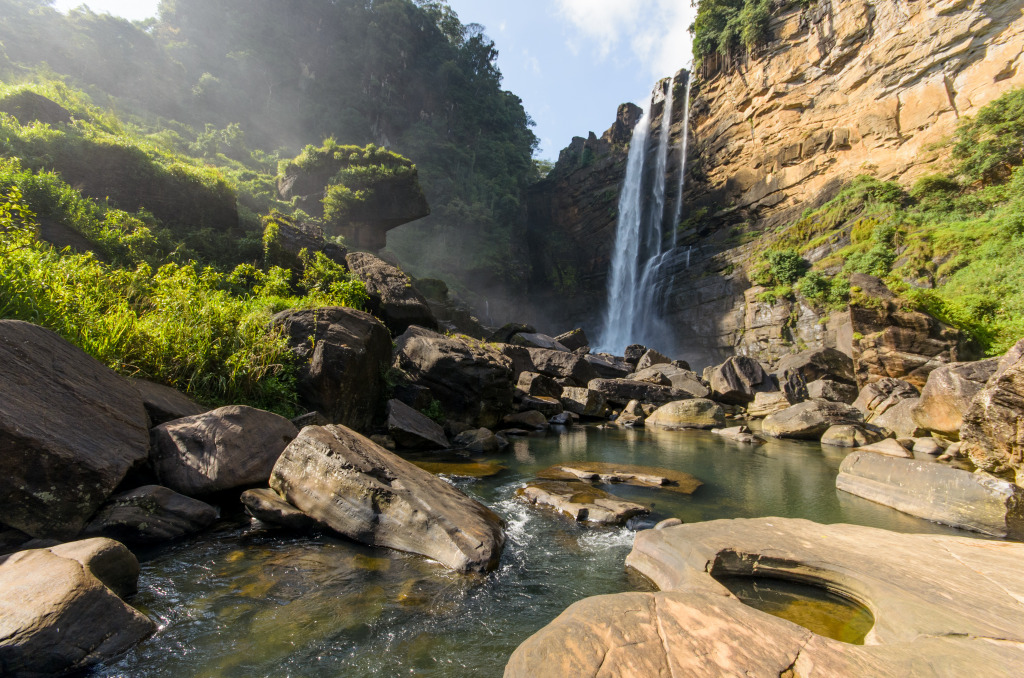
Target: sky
x: 571, y: 61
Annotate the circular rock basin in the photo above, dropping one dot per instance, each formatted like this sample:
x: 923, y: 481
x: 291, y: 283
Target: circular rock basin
x: 812, y: 607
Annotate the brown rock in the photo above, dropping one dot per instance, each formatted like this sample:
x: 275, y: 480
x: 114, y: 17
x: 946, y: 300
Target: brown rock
x: 267, y: 506
x: 164, y: 404
x: 150, y: 515
x: 109, y: 561
x: 393, y: 298
x: 836, y: 391
x: 650, y: 359
x: 738, y: 379
x: 581, y: 502
x: 535, y: 384
x: 948, y: 395
x: 227, y: 448
x: 768, y: 403
x: 609, y: 367
x: 819, y: 363
x: 480, y: 440
x: 531, y: 419
x: 993, y: 429
x: 888, y: 447
x: 620, y: 391
x: 585, y: 402
x: 412, y: 430
x: 852, y: 435
x: 574, y: 340
x: 809, y: 420
x: 694, y: 413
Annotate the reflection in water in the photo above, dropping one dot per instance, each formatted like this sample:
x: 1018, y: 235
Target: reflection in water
x: 240, y: 601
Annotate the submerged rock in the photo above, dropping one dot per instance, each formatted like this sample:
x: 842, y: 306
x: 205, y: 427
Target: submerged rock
x: 581, y: 502
x: 224, y: 449
x: 970, y: 501
x: 694, y: 413
x: 368, y: 494
x: 150, y: 515
x: 809, y: 420
x: 740, y: 434
x: 480, y: 440
x: 628, y: 474
x: 70, y: 431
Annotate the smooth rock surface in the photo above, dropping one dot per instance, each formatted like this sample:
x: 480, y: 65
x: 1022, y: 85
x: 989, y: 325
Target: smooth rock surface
x: 852, y: 435
x: 267, y: 506
x: 585, y: 402
x: 70, y: 431
x: 765, y: 404
x: 738, y: 379
x: 368, y: 494
x: 150, y: 515
x: 581, y: 502
x: 650, y: 359
x: 948, y: 395
x: 809, y: 420
x: 993, y: 429
x: 530, y: 419
x: 693, y: 413
x: 888, y: 447
x: 609, y: 367
x: 223, y: 449
x: 612, y: 473
x: 413, y: 430
x: 900, y: 419
x: 934, y: 491
x: 106, y: 559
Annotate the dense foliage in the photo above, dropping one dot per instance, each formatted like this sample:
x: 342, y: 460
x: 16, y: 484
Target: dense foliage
x: 723, y: 28
x: 952, y: 245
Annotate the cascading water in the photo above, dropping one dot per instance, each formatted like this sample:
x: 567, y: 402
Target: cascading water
x: 683, y: 150
x: 634, y: 309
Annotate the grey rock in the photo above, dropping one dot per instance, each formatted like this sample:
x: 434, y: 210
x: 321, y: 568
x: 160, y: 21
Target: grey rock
x: 413, y: 430
x: 900, y: 419
x: 650, y: 359
x: 888, y: 447
x: 536, y: 340
x: 993, y: 430
x: 535, y: 384
x: 620, y: 391
x: 504, y: 334
x: 164, y: 403
x: 268, y: 507
x: 581, y: 502
x: 150, y: 515
x: 609, y: 367
x: 693, y: 413
x: 368, y: 494
x: 633, y: 354
x: 948, y: 395
x: 549, y: 407
x: 852, y: 435
x: 931, y: 446
x: 106, y: 559
x: 819, y: 363
x: 531, y: 419
x: 227, y: 448
x: 553, y: 364
x: 392, y: 296
x: 480, y: 440
x: 574, y: 340
x: 765, y: 404
x: 738, y: 379
x: 670, y: 375
x: 585, y: 402
x: 836, y: 391
x: 809, y: 420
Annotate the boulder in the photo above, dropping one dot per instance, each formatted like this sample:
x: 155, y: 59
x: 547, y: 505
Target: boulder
x: 549, y: 407
x: 342, y: 356
x: 109, y: 561
x: 740, y: 434
x: 530, y: 419
x: 650, y: 359
x: 472, y: 382
x: 836, y: 391
x: 224, y: 449
x: 693, y: 413
x: 150, y: 515
x: 852, y: 435
x: 535, y: 384
x: 608, y: 367
x: 413, y: 430
x: 581, y: 502
x: 677, y: 377
x: 766, y: 403
x: 268, y: 507
x: 900, y: 419
x: 163, y: 403
x: 575, y: 340
x: 562, y: 419
x: 738, y: 379
x: 620, y: 391
x: 888, y: 447
x: 809, y: 420
x: 932, y: 446
x: 585, y: 402
x: 480, y: 440
x: 993, y: 428
x: 948, y: 395
x: 651, y: 375
x: 793, y: 384
x: 970, y: 501
x: 57, y: 617
x: 553, y: 364
x: 536, y: 340
x: 284, y: 239
x: 819, y: 363
x: 633, y: 354
x: 505, y: 333
x: 878, y: 397
x: 368, y: 494
x: 70, y: 431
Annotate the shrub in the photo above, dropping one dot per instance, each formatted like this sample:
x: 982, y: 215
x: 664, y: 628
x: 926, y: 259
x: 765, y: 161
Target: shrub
x: 991, y: 144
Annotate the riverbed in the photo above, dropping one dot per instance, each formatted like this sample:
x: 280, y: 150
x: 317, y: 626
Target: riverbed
x: 242, y: 600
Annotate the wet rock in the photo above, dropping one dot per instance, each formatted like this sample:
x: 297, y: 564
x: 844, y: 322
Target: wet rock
x: 472, y: 382
x: 948, y: 395
x: 819, y: 363
x: 575, y: 340
x: 993, y: 428
x: 70, y: 431
x: 888, y: 447
x: 536, y: 340
x: 809, y: 420
x: 531, y: 419
x: 224, y: 449
x: 549, y: 407
x: 581, y: 502
x: 738, y: 379
x: 694, y: 413
x: 109, y: 561
x: 970, y: 501
x: 150, y: 515
x: 563, y: 419
x: 585, y: 402
x: 365, y: 493
x: 480, y: 440
x: 267, y: 506
x: 768, y: 403
x: 609, y: 367
x: 535, y: 384
x: 650, y: 359
x: 852, y: 435
x: 836, y: 391
x: 740, y: 434
x: 412, y: 430
x: 57, y: 617
x: 164, y: 403
x: 620, y: 391
x: 613, y: 473
x: 342, y: 356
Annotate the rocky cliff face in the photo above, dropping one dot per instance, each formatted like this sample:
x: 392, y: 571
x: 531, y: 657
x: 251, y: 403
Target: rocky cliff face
x: 845, y: 87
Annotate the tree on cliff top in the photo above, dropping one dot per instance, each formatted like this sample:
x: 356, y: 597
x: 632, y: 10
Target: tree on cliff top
x: 725, y: 28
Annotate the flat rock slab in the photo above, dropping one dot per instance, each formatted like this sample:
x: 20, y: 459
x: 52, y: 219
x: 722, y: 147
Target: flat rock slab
x: 372, y: 496
x: 625, y: 474
x: 581, y: 501
x: 413, y: 430
x: 943, y: 606
x: 934, y: 491
x: 462, y: 469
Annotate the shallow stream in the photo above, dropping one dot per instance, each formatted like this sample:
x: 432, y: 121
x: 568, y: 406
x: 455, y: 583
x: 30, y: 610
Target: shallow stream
x: 241, y: 601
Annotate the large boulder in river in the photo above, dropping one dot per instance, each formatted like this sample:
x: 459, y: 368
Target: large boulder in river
x: 620, y: 392
x: 836, y: 391
x: 738, y: 379
x: 368, y: 494
x: 693, y: 413
x: 267, y: 506
x: 57, y: 617
x: 413, y: 430
x: 342, y: 355
x: 150, y: 515
x: 879, y: 396
x: 393, y: 298
x: 70, y: 431
x: 472, y: 382
x: 852, y: 435
x: 993, y: 428
x: 948, y: 395
x: 234, y: 446
x: 809, y: 420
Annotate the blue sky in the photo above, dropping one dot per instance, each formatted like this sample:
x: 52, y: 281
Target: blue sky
x: 572, y: 61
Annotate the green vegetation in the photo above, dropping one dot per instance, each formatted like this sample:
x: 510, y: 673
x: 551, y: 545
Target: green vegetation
x: 951, y: 246
x: 724, y: 28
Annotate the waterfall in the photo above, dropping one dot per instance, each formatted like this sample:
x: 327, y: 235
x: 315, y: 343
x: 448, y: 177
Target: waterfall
x: 633, y: 314
x: 684, y: 148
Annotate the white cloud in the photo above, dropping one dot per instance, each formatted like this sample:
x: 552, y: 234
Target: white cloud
x: 655, y: 31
